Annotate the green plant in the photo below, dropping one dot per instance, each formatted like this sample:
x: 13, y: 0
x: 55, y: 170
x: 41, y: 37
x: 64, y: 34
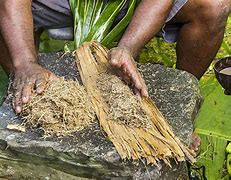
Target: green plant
x: 93, y: 20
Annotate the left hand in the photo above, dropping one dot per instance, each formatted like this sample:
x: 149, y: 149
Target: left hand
x: 27, y: 78
x: 122, y: 61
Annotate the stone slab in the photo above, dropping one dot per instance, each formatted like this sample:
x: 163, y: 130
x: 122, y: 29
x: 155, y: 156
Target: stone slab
x: 89, y: 154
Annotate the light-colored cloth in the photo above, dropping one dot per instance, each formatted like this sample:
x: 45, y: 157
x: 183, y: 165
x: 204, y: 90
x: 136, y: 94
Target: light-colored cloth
x: 170, y: 31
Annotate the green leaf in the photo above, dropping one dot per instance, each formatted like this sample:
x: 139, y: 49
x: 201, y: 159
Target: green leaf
x: 215, y: 113
x: 213, y: 125
x: 228, y: 148
x: 101, y: 27
x: 114, y: 34
x: 226, y: 47
x: 212, y: 156
x: 93, y: 20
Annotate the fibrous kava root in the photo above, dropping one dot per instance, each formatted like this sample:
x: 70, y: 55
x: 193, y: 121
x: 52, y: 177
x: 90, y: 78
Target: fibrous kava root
x: 125, y: 108
x: 135, y: 126
x: 62, y: 109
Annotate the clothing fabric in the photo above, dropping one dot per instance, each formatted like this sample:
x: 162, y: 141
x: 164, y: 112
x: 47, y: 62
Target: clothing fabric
x: 50, y: 14
x: 170, y: 31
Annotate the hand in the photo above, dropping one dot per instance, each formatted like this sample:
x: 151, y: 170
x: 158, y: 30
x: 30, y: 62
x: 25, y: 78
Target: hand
x: 28, y: 79
x: 122, y: 61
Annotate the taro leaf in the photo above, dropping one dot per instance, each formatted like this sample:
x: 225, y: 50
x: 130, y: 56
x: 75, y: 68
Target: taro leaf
x: 93, y: 20
x: 215, y: 114
x: 213, y: 125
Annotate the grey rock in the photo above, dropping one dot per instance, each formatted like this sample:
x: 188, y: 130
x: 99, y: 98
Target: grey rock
x: 89, y: 154
x: 176, y: 94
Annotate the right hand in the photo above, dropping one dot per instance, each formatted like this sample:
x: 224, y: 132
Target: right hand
x: 123, y: 63
x: 29, y: 78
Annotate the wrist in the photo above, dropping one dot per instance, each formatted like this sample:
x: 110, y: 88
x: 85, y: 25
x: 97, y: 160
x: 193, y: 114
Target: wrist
x: 22, y: 62
x: 133, y: 51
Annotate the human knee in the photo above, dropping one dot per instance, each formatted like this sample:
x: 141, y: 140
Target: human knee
x: 214, y: 14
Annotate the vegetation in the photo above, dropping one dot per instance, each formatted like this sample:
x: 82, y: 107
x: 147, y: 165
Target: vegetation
x: 213, y: 122
x: 95, y: 20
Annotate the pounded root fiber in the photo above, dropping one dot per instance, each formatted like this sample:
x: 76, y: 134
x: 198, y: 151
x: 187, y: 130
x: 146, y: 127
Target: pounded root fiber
x: 122, y: 117
x: 125, y: 108
x: 62, y: 109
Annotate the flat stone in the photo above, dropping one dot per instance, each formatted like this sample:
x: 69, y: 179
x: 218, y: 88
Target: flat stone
x: 89, y: 154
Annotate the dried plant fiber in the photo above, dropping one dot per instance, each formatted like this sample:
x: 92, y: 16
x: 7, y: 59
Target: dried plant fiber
x: 62, y: 109
x: 135, y: 126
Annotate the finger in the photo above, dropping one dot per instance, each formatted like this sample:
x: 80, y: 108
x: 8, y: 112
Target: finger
x: 17, y: 103
x: 137, y: 92
x: 144, y: 89
x: 17, y: 92
x: 53, y: 77
x: 140, y: 85
x: 16, y: 84
x: 26, y: 92
x: 115, y: 58
x: 40, y: 85
x: 139, y: 82
x: 116, y: 63
x: 136, y: 81
x: 144, y: 92
x: 126, y: 75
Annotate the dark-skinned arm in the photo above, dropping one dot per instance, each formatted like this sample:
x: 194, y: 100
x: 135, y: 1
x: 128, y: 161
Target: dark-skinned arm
x: 148, y: 19
x: 16, y: 25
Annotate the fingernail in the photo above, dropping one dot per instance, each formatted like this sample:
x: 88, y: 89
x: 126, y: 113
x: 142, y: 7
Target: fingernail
x: 25, y: 99
x: 18, y: 109
x: 39, y: 90
x: 144, y: 93
x: 113, y: 61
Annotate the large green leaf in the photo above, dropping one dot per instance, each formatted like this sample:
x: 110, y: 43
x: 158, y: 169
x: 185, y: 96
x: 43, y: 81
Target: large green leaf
x: 215, y: 114
x: 114, y: 34
x: 93, y: 20
x: 213, y: 125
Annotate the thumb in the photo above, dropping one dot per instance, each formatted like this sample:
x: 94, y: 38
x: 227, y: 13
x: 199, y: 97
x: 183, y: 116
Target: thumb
x: 114, y: 61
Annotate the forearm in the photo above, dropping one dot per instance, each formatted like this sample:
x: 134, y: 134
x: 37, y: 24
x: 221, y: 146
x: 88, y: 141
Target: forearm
x: 148, y: 18
x: 16, y: 25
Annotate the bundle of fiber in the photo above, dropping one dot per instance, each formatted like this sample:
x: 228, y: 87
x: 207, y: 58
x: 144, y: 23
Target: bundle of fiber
x: 63, y: 109
x: 135, y: 126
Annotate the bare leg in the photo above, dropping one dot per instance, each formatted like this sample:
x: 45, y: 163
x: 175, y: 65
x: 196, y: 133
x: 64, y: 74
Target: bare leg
x: 201, y: 35
x: 200, y: 38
